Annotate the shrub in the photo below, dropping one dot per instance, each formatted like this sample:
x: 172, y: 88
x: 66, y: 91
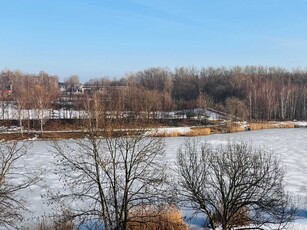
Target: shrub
x: 155, y: 218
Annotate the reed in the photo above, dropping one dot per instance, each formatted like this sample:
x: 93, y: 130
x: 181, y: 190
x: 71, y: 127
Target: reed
x: 155, y: 218
x: 271, y: 125
x: 234, y: 128
x: 199, y: 132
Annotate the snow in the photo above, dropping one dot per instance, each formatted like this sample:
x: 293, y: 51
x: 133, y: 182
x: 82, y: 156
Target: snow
x: 9, y: 111
x: 169, y: 131
x: 300, y: 123
x: 290, y: 145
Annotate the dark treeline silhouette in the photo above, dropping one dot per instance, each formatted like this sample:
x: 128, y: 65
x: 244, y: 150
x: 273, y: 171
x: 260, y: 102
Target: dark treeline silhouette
x: 251, y: 92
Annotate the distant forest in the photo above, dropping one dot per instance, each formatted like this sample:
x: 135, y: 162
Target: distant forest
x: 251, y: 92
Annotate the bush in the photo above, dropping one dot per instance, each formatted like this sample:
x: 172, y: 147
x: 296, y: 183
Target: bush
x: 155, y: 218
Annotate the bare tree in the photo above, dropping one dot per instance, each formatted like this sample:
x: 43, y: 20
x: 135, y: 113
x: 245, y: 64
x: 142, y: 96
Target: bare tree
x: 13, y: 179
x: 95, y: 114
x: 236, y: 108
x: 41, y: 104
x: 44, y: 93
x: 157, y: 79
x: 106, y: 178
x: 233, y: 185
x: 21, y: 94
x: 72, y: 83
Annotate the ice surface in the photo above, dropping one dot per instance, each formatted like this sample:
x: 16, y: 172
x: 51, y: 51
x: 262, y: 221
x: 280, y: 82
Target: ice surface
x: 290, y: 145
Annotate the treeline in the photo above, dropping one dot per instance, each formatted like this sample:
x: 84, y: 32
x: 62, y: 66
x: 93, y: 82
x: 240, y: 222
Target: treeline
x: 251, y: 92
x: 24, y: 93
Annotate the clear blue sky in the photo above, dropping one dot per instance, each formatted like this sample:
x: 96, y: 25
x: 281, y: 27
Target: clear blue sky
x: 94, y: 38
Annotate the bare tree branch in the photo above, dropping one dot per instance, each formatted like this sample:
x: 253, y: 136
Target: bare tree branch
x: 13, y: 179
x: 233, y: 185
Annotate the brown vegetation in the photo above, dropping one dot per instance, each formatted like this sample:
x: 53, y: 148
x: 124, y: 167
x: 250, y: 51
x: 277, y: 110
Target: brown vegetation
x: 251, y: 92
x: 233, y: 128
x: 166, y: 134
x: 270, y: 125
x: 68, y: 133
x: 153, y: 218
x: 145, y: 98
x: 241, y: 218
x: 201, y: 131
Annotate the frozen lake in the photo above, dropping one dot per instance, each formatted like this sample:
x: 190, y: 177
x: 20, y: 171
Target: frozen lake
x: 290, y: 145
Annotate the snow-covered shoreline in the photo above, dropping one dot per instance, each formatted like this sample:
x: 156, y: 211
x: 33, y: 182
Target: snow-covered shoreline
x: 183, y: 131
x: 300, y: 124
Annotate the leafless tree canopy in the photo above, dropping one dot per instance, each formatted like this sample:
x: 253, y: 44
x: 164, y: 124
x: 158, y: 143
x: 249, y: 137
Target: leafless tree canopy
x: 13, y: 179
x: 233, y: 184
x: 105, y: 178
x: 249, y: 92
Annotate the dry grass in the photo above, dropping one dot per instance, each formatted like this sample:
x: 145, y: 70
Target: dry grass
x: 271, y: 125
x: 199, y: 132
x: 153, y: 218
x: 166, y: 134
x: 233, y: 128
x: 258, y: 126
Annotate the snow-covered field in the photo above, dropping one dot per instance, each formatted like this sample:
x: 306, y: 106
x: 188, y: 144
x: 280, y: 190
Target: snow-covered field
x: 290, y: 145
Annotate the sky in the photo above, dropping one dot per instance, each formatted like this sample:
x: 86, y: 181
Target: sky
x: 96, y: 38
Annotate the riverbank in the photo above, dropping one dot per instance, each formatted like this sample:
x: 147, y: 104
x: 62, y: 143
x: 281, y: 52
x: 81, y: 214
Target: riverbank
x: 165, y: 131
x: 223, y: 127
